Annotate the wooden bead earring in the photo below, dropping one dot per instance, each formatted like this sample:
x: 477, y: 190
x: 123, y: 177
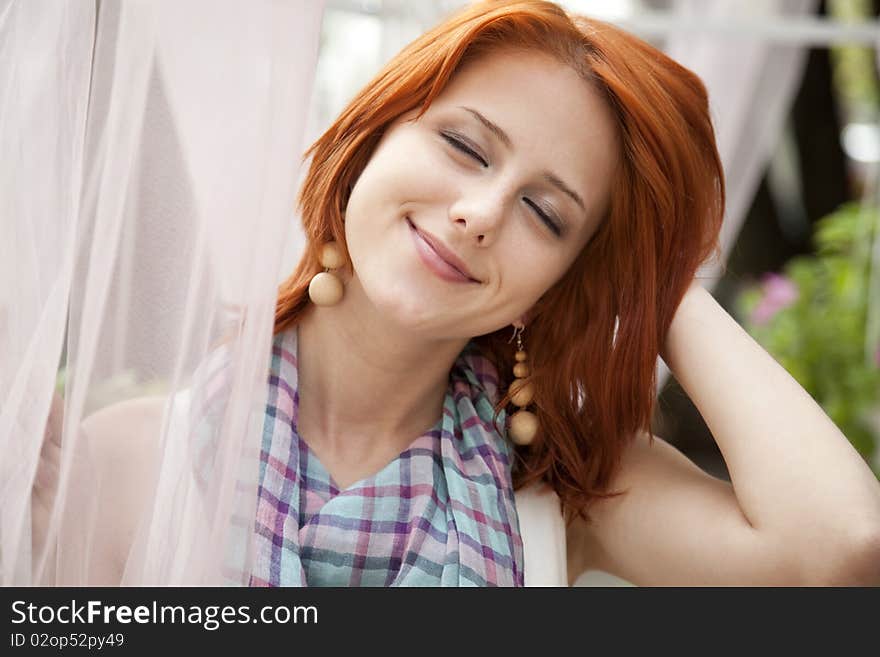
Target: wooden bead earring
x: 325, y: 289
x: 523, y: 425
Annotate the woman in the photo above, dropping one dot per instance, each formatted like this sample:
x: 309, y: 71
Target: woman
x: 507, y: 221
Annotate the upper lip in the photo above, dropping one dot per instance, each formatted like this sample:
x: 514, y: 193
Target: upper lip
x: 444, y: 251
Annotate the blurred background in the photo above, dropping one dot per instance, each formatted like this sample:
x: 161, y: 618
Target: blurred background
x: 796, y: 98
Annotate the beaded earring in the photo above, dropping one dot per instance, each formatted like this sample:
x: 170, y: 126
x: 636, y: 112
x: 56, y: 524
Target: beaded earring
x: 325, y: 289
x: 523, y: 425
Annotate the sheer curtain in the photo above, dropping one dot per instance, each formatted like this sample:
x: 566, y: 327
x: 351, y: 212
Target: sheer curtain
x: 151, y: 151
x: 42, y: 127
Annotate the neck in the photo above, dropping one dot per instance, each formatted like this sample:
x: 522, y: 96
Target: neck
x: 367, y: 384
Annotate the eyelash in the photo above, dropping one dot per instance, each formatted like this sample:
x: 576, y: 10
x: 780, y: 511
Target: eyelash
x: 464, y: 148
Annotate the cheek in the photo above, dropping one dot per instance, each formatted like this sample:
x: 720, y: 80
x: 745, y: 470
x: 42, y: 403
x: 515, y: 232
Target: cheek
x: 545, y: 267
x: 404, y: 163
x: 524, y: 278
x: 521, y: 286
x: 402, y: 173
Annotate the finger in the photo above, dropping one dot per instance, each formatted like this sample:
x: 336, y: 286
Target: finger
x: 48, y: 472
x: 55, y: 422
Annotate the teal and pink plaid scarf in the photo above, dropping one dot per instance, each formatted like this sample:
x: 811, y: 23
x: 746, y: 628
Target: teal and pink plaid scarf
x: 441, y: 514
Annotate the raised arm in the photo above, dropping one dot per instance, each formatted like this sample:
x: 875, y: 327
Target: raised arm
x: 803, y: 507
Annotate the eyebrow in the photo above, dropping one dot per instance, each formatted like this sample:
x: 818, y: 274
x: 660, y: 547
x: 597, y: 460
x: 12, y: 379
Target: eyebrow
x: 503, y: 137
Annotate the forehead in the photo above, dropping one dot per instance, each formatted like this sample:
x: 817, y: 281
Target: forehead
x: 555, y: 119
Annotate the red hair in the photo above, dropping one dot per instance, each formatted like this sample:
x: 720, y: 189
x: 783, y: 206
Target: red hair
x: 594, y: 337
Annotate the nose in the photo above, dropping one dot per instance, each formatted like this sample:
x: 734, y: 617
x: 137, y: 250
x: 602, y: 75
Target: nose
x: 479, y: 215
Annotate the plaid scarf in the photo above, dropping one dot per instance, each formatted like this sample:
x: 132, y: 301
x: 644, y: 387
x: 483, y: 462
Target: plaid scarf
x: 441, y: 514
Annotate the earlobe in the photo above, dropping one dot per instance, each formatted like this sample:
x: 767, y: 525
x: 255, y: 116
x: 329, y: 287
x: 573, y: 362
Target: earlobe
x: 521, y: 321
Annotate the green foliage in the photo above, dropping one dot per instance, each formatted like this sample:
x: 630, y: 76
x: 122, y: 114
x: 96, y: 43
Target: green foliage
x: 821, y: 336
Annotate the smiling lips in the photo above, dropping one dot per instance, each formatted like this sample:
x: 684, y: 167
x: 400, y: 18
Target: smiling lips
x: 439, y: 258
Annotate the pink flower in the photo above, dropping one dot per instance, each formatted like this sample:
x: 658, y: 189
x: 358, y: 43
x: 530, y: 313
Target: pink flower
x: 779, y: 292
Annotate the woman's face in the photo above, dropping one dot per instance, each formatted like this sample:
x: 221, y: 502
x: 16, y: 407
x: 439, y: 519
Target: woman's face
x: 509, y: 170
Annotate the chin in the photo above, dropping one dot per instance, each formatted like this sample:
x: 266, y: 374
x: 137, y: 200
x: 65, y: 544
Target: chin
x: 406, y: 307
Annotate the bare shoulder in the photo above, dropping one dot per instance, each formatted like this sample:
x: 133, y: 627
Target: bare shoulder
x: 674, y: 525
x: 121, y: 443
x: 125, y: 429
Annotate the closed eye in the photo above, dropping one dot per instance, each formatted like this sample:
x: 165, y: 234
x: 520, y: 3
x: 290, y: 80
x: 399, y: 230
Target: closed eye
x: 544, y: 217
x: 464, y: 148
